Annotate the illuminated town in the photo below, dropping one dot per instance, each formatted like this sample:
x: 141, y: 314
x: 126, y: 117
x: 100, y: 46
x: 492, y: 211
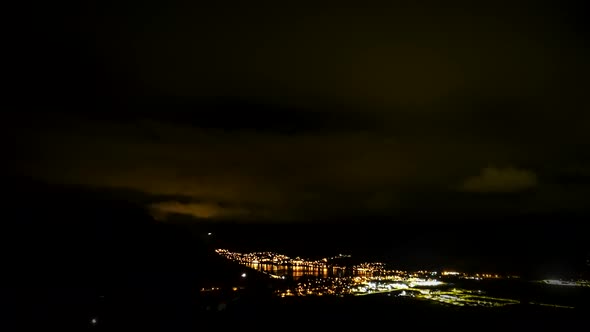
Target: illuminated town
x: 328, y: 277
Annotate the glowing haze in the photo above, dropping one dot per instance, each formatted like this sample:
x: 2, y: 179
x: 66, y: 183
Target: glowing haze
x: 254, y: 113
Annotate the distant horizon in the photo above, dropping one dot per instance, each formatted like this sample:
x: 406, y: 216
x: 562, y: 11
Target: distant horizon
x: 553, y: 241
x: 29, y: 185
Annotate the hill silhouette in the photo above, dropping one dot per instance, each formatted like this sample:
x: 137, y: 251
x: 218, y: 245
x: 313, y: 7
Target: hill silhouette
x: 70, y: 255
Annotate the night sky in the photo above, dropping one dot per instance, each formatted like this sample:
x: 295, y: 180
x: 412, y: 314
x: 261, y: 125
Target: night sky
x: 288, y: 113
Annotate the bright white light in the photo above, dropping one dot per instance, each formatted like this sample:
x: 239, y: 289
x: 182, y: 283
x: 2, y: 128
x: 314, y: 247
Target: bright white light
x: 243, y: 275
x: 209, y: 233
x: 398, y: 286
x: 560, y: 282
x: 428, y: 283
x: 93, y: 321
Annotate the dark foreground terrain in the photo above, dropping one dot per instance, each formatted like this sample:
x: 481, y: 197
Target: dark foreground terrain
x: 75, y: 261
x: 383, y: 312
x: 161, y: 313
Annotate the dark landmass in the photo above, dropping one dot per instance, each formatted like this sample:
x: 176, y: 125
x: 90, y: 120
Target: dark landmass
x: 538, y: 247
x: 70, y: 256
x: 394, y: 313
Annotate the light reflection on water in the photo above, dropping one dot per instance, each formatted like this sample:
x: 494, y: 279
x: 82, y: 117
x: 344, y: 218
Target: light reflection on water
x: 298, y: 271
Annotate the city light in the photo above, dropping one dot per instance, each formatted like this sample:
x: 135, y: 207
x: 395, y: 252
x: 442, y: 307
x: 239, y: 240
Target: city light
x: 426, y: 283
x: 311, y: 278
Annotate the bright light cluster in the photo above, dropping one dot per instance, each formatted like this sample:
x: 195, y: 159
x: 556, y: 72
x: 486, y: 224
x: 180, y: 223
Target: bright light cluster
x: 338, y: 286
x: 568, y: 283
x: 462, y: 297
x: 267, y: 257
x: 373, y: 278
x: 370, y: 269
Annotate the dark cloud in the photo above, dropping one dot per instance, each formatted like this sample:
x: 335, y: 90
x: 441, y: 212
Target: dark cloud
x: 298, y: 113
x: 225, y: 174
x: 377, y: 56
x: 198, y: 210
